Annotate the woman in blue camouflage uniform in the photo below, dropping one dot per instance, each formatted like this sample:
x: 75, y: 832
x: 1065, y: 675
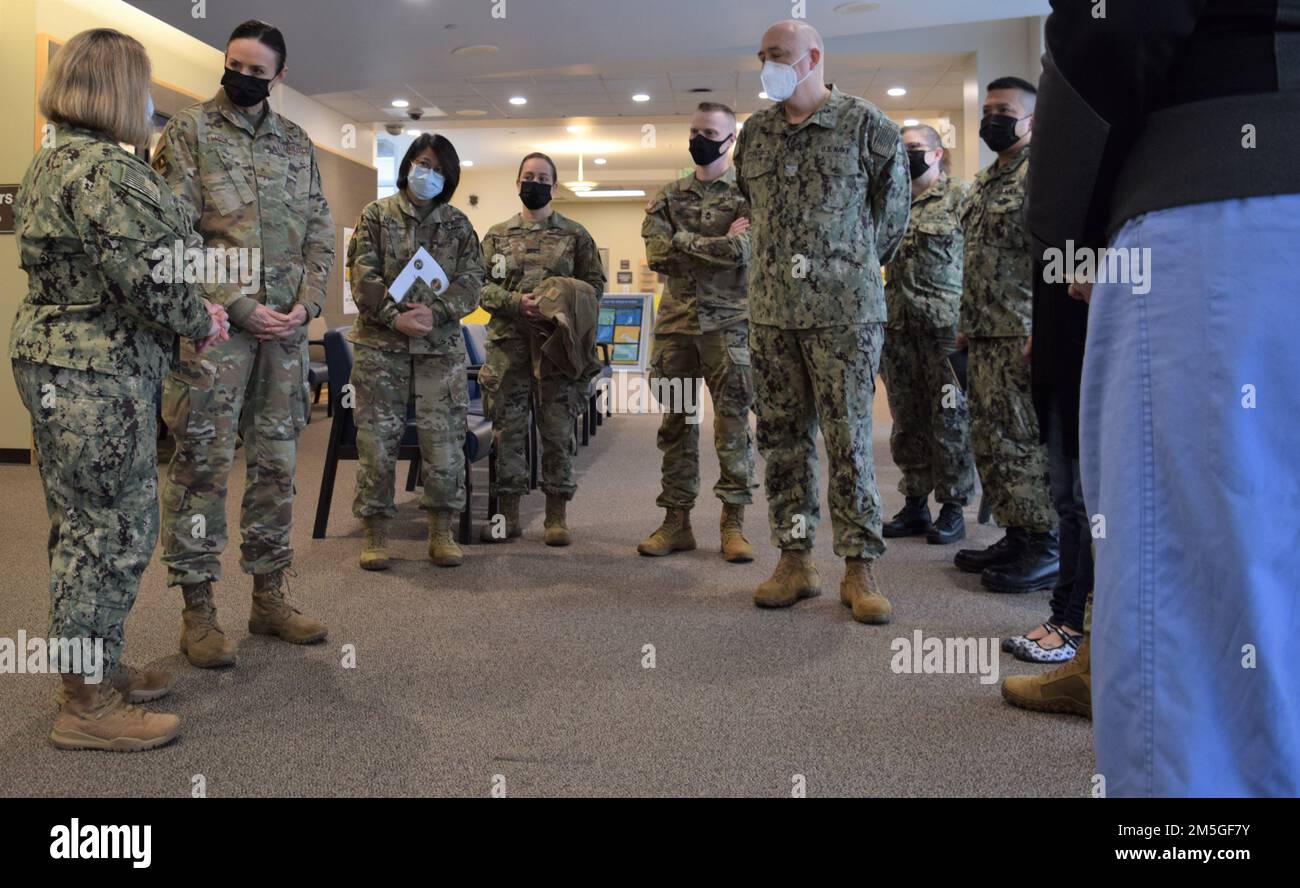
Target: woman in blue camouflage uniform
x: 90, y: 345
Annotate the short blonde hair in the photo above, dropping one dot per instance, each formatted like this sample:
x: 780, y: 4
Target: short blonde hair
x: 99, y: 81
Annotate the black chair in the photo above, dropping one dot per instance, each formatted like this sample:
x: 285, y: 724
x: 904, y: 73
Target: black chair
x: 318, y: 374
x: 592, y: 417
x: 318, y: 377
x: 478, y: 434
x: 343, y: 430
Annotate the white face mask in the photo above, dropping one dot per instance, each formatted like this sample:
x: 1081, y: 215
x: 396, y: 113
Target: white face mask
x: 780, y: 80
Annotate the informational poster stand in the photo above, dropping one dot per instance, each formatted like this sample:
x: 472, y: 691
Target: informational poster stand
x: 625, y: 324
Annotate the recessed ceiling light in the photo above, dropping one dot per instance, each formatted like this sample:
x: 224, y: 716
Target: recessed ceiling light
x: 476, y: 49
x: 897, y: 91
x: 413, y: 132
x: 763, y: 96
x: 573, y: 129
x: 471, y: 112
x: 911, y: 121
x: 600, y: 161
x: 401, y: 103
x: 640, y: 97
x: 467, y: 163
x: 518, y: 100
x: 850, y: 8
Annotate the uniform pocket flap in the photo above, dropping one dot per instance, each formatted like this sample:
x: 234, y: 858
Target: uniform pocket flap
x: 739, y: 355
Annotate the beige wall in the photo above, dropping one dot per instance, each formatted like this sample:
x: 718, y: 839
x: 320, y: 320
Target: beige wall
x: 616, y: 226
x: 178, y: 60
x: 193, y: 66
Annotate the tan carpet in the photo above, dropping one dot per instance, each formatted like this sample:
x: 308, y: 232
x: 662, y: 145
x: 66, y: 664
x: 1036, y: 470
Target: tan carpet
x: 527, y: 663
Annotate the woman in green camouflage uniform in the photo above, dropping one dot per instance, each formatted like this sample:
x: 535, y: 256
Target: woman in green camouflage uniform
x: 90, y: 346
x: 411, y: 347
x: 536, y: 244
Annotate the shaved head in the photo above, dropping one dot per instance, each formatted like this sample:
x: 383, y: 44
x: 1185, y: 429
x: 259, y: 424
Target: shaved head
x: 790, y: 40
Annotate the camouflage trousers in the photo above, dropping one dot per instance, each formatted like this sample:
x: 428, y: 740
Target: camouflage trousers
x: 96, y: 447
x: 507, y: 381
x: 257, y: 390
x: 930, y: 438
x: 385, y: 382
x: 721, y: 359
x: 804, y: 379
x: 1004, y: 434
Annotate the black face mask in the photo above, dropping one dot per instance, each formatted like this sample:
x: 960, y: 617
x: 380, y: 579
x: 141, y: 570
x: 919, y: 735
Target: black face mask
x: 705, y: 151
x: 999, y: 131
x: 916, y: 164
x: 245, y: 91
x: 535, y: 195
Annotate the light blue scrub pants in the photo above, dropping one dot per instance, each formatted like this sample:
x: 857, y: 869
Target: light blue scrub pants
x: 1190, y: 449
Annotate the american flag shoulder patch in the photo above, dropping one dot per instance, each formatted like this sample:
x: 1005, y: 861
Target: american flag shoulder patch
x: 138, y: 181
x: 884, y: 138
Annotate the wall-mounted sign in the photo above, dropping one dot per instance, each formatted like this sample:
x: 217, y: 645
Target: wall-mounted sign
x: 625, y: 323
x: 625, y: 277
x: 8, y: 197
x: 624, y: 264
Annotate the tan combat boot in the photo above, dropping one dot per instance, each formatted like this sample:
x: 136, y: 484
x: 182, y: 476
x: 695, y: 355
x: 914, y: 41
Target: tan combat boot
x: 443, y: 548
x: 273, y: 615
x: 135, y: 685
x: 374, y: 543
x: 510, y: 511
x: 1068, y: 688
x: 94, y: 716
x: 202, y: 641
x: 795, y: 577
x: 735, y: 548
x: 557, y: 532
x: 861, y: 591
x: 674, y: 535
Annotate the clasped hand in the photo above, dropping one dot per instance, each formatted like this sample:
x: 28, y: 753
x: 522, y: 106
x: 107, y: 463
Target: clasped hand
x: 415, y: 322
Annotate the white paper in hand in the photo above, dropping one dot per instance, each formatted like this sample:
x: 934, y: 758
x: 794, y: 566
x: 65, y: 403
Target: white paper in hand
x: 421, y: 267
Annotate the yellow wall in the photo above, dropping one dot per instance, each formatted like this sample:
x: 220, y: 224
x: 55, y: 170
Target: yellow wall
x: 178, y: 60
x: 18, y: 111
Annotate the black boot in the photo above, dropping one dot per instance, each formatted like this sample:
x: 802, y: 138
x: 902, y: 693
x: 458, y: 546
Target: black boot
x: 950, y: 527
x: 1034, y: 570
x: 912, y: 520
x: 1003, y: 551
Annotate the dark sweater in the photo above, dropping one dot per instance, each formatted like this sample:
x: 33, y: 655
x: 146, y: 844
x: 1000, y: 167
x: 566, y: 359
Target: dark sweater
x: 1152, y: 101
x: 1142, y: 111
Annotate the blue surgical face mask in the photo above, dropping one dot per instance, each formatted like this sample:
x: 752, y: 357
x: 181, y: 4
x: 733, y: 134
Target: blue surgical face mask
x: 425, y: 184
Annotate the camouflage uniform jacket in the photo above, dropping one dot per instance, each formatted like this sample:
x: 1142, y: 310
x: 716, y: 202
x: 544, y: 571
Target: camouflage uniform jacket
x: 246, y: 189
x: 387, y: 236
x: 519, y: 255
x: 685, y: 233
x: 923, y: 282
x: 89, y: 219
x: 997, y: 295
x: 830, y: 199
